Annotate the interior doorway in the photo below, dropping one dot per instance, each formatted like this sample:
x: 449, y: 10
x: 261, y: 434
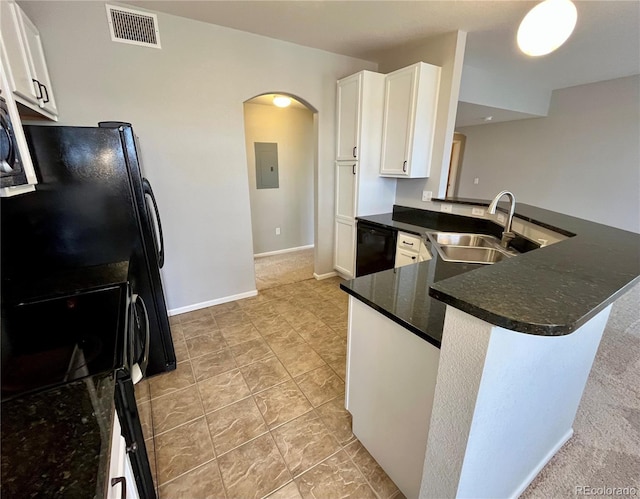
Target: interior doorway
x: 455, y: 163
x: 281, y: 149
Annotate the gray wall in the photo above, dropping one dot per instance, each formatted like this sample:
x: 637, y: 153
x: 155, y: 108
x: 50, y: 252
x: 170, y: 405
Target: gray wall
x: 583, y: 159
x: 186, y: 104
x: 290, y: 206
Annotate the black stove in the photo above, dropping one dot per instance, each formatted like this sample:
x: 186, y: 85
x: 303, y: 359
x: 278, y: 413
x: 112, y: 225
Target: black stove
x: 55, y: 341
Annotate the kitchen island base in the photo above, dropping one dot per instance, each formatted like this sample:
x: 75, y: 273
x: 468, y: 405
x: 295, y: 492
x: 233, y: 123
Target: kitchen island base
x: 391, y: 378
x: 504, y: 404
x: 479, y: 417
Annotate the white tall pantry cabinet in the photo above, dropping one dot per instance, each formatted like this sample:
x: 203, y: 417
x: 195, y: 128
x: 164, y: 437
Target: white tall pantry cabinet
x: 360, y: 190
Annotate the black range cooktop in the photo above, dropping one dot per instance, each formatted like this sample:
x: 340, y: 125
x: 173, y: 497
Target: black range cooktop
x: 54, y: 341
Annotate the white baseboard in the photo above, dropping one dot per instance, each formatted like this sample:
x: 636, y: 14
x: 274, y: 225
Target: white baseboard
x: 320, y: 277
x: 210, y: 303
x: 543, y: 462
x: 280, y: 252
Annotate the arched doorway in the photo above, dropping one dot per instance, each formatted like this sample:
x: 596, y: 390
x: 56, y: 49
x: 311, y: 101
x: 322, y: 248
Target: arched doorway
x: 281, y: 156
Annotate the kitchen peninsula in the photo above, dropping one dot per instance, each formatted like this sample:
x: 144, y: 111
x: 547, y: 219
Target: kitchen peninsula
x: 476, y: 371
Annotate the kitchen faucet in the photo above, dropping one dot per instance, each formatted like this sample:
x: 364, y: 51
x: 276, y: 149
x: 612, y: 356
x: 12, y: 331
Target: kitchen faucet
x: 507, y: 235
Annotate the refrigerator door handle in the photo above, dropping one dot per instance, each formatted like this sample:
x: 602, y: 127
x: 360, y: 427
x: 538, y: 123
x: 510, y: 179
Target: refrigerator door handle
x: 146, y: 186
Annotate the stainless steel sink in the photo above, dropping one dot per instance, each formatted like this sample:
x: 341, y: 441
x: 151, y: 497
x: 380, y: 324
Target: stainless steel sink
x: 469, y: 248
x: 471, y: 254
x: 459, y: 239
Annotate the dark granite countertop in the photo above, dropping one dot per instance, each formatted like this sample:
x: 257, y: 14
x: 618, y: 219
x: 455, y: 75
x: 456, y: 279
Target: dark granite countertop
x: 549, y: 291
x: 57, y: 443
x: 402, y: 294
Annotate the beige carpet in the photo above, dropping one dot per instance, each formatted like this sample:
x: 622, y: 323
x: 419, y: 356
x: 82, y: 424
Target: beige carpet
x: 286, y: 268
x: 605, y: 448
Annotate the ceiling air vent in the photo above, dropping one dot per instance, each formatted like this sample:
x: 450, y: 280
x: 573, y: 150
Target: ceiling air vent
x: 133, y: 26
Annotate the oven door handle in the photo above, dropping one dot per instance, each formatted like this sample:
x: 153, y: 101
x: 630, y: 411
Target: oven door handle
x: 159, y: 238
x: 10, y: 158
x: 139, y: 368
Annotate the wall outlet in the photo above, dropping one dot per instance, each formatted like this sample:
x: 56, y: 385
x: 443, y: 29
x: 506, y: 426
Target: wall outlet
x: 477, y: 211
x: 476, y: 181
x: 277, y: 231
x: 427, y: 195
x: 446, y: 208
x: 501, y: 218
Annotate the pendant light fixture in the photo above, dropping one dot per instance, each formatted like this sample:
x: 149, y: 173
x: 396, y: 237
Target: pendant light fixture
x: 281, y: 100
x: 546, y: 27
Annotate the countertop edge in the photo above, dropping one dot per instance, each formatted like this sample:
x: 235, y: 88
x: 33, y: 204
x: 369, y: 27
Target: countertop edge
x: 528, y: 327
x: 588, y: 234
x: 392, y: 316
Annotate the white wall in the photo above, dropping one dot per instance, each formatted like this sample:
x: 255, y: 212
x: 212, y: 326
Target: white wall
x: 446, y: 51
x: 186, y: 104
x: 503, y: 91
x: 290, y: 206
x: 583, y: 159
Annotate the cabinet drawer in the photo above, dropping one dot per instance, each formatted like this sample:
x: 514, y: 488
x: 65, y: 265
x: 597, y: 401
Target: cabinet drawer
x: 409, y: 242
x: 404, y: 257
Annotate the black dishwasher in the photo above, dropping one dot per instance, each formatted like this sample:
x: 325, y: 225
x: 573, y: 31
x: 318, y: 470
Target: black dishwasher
x: 376, y: 248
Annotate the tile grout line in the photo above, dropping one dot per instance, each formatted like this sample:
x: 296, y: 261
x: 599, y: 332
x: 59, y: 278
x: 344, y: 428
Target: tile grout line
x: 213, y: 447
x: 190, y: 421
x: 252, y: 320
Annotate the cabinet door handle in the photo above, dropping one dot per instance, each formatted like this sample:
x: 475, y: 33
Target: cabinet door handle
x: 353, y: 168
x: 46, y: 92
x: 120, y: 480
x: 355, y: 150
x: 404, y: 167
x: 414, y: 257
x: 407, y: 243
x: 38, y: 88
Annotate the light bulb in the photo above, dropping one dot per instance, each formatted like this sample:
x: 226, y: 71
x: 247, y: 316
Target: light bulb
x: 546, y: 27
x: 281, y: 101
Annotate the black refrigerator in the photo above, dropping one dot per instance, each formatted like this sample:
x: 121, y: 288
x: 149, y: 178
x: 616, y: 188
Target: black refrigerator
x: 91, y: 207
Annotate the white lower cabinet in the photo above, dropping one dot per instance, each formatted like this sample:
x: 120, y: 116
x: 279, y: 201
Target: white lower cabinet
x: 121, y: 477
x: 345, y: 247
x: 404, y: 257
x: 391, y: 379
x: 410, y: 249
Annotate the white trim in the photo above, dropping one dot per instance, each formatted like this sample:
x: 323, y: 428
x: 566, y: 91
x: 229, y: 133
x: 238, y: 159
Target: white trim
x: 344, y: 275
x: 320, y: 277
x: 280, y: 252
x: 543, y: 462
x: 210, y: 303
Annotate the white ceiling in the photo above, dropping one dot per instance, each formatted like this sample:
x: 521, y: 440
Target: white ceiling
x: 604, y: 45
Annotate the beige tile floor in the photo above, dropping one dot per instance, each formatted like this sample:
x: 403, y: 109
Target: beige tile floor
x: 255, y: 407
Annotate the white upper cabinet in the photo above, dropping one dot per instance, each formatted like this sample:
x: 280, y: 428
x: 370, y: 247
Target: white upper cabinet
x: 27, y: 72
x: 348, y: 111
x: 409, y: 118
